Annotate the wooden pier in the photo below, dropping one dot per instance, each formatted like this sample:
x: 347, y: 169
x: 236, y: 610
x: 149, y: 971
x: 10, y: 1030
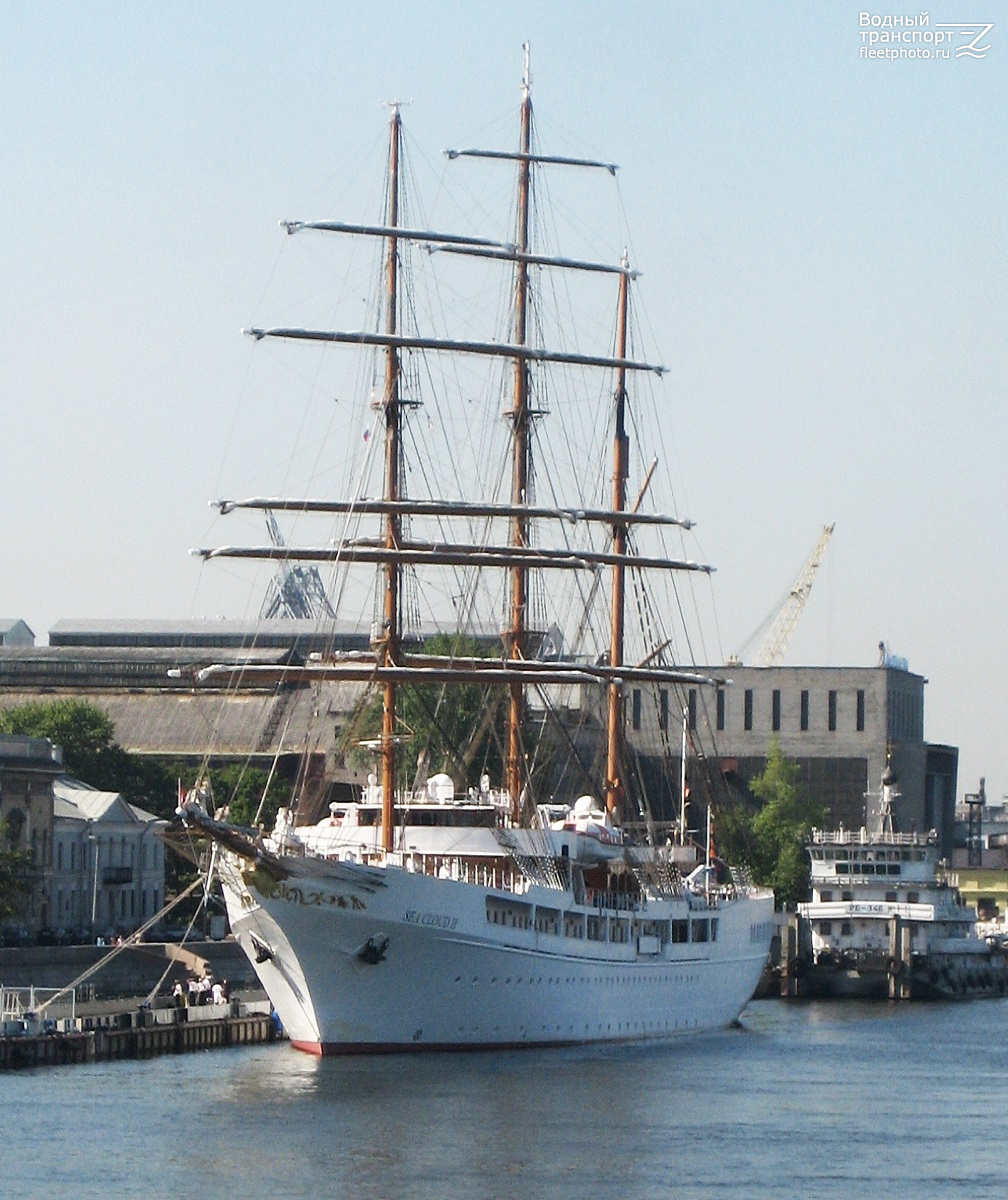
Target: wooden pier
x: 139, y: 1034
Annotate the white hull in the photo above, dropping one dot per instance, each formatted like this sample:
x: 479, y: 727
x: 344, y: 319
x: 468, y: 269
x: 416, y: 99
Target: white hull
x: 450, y: 978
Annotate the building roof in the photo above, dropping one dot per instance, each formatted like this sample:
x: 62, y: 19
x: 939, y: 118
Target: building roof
x: 75, y: 799
x: 245, y: 723
x: 17, y: 749
x: 219, y: 633
x: 118, y: 667
x: 14, y: 631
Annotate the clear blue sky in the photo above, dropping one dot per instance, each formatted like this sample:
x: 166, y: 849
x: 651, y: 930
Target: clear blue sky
x: 823, y: 239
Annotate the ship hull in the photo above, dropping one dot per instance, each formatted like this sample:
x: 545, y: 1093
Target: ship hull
x: 965, y: 975
x: 414, y: 962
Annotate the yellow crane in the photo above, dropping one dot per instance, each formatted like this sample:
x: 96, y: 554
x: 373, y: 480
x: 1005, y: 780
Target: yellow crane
x: 778, y: 627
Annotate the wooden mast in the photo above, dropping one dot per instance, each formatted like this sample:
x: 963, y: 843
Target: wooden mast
x: 388, y: 648
x: 520, y: 469
x: 614, y: 751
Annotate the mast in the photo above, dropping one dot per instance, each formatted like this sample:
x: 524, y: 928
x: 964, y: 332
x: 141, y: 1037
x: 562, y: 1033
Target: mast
x: 388, y: 649
x: 614, y: 724
x: 520, y: 464
x: 682, y: 779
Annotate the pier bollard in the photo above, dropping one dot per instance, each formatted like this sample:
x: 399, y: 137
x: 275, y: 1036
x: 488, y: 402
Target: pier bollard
x: 900, y: 958
x: 906, y: 959
x: 789, y: 957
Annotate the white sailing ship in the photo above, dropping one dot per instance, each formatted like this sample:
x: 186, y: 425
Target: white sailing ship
x: 418, y: 918
x: 885, y: 918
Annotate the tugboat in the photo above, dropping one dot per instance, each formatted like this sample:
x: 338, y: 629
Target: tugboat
x: 886, y: 920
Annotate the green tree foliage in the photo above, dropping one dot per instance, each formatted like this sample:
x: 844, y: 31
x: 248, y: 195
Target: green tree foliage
x: 90, y: 754
x: 15, y: 875
x: 84, y: 732
x: 451, y: 727
x: 241, y: 789
x: 772, y: 840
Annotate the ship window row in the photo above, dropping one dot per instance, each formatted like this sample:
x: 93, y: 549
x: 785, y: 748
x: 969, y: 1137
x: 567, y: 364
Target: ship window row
x: 857, y: 868
x: 596, y: 927
x: 846, y: 854
x: 826, y: 928
x: 892, y: 897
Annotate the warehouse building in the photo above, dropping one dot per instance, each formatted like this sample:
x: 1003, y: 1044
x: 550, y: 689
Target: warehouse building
x: 841, y: 725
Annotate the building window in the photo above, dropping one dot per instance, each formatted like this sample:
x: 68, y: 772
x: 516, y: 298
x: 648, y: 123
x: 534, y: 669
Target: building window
x: 720, y: 708
x: 692, y: 708
x: 775, y: 699
x: 832, y: 712
x: 747, y: 709
x: 860, y: 710
x: 635, y: 715
x: 663, y: 709
x: 804, y: 710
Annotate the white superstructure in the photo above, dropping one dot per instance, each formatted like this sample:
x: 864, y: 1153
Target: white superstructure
x: 885, y: 919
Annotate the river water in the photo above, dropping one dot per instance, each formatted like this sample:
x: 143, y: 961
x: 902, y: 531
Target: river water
x: 802, y: 1100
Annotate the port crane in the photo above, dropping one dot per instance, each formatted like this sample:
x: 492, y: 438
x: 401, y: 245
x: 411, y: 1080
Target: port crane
x: 778, y: 627
x: 294, y: 591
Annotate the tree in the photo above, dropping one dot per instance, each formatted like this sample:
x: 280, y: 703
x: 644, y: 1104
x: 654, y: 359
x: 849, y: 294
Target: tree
x: 451, y: 727
x: 772, y: 840
x: 241, y: 789
x: 83, y: 731
x: 15, y: 875
x: 90, y: 754
x: 782, y: 826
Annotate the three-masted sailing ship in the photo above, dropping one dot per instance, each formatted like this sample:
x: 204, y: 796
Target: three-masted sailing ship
x: 426, y: 919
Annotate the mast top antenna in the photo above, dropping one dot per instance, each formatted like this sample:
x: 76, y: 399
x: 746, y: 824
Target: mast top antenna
x: 527, y: 76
